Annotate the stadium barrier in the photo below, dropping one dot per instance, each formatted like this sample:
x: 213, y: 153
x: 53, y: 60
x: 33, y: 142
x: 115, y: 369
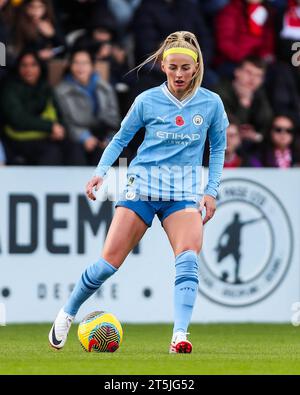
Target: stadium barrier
x: 49, y: 232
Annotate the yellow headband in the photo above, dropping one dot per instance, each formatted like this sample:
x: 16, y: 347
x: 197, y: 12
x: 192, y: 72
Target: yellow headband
x: 184, y: 51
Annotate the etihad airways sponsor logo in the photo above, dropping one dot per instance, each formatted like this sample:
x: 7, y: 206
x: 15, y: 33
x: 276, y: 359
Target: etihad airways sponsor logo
x: 178, y: 136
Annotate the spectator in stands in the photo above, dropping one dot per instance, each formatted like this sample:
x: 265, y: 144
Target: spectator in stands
x: 122, y: 11
x: 233, y: 156
x: 243, y: 28
x: 37, y: 30
x: 283, y: 89
x: 89, y: 108
x: 283, y: 83
x: 32, y: 130
x: 277, y: 150
x: 154, y: 20
x: 101, y: 40
x: 245, y: 98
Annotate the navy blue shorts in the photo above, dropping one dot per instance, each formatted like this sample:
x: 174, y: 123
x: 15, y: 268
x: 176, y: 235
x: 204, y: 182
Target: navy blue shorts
x: 146, y: 209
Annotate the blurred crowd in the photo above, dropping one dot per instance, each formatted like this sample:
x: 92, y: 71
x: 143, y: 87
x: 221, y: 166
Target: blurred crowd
x: 68, y: 80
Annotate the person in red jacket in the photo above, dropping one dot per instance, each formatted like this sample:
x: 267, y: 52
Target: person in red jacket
x: 244, y: 28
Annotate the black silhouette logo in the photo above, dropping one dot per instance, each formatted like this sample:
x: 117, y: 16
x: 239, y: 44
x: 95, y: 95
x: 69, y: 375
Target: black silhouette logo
x: 233, y: 245
x: 247, y: 247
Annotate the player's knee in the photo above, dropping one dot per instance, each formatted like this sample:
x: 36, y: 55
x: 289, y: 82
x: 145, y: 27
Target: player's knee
x: 194, y: 246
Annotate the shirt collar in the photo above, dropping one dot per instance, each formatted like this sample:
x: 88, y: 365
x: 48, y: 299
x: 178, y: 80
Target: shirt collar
x: 173, y: 99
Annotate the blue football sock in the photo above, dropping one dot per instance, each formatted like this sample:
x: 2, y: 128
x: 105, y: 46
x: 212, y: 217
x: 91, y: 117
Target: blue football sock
x: 186, y: 288
x: 90, y: 281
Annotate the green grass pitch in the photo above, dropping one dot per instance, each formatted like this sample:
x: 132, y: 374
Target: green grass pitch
x: 218, y: 349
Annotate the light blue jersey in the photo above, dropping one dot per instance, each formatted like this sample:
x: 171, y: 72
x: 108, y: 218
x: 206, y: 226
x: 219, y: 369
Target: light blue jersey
x: 168, y: 163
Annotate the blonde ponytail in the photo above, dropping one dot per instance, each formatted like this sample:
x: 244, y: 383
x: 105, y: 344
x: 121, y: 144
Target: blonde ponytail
x: 180, y: 39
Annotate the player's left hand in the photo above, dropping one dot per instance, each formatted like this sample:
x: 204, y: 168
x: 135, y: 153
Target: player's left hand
x: 96, y: 183
x: 209, y: 203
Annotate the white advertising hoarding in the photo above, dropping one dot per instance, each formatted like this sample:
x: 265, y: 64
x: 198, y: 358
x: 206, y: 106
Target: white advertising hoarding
x: 49, y: 232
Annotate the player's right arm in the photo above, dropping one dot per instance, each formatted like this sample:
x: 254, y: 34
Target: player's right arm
x: 217, y: 146
x: 133, y: 121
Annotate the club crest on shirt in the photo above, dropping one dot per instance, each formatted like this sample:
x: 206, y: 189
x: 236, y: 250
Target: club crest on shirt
x: 179, y: 120
x: 197, y: 120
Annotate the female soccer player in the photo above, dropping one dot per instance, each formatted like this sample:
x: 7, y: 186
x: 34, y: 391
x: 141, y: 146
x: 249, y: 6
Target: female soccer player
x: 163, y: 179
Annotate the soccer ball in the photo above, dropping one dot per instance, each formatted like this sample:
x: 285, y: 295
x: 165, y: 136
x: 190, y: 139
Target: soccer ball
x: 100, y: 332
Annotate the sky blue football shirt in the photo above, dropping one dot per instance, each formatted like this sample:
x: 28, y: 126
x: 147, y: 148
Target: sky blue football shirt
x: 168, y: 163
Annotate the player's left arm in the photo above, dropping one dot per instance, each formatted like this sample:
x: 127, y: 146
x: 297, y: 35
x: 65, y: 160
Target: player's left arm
x: 217, y: 146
